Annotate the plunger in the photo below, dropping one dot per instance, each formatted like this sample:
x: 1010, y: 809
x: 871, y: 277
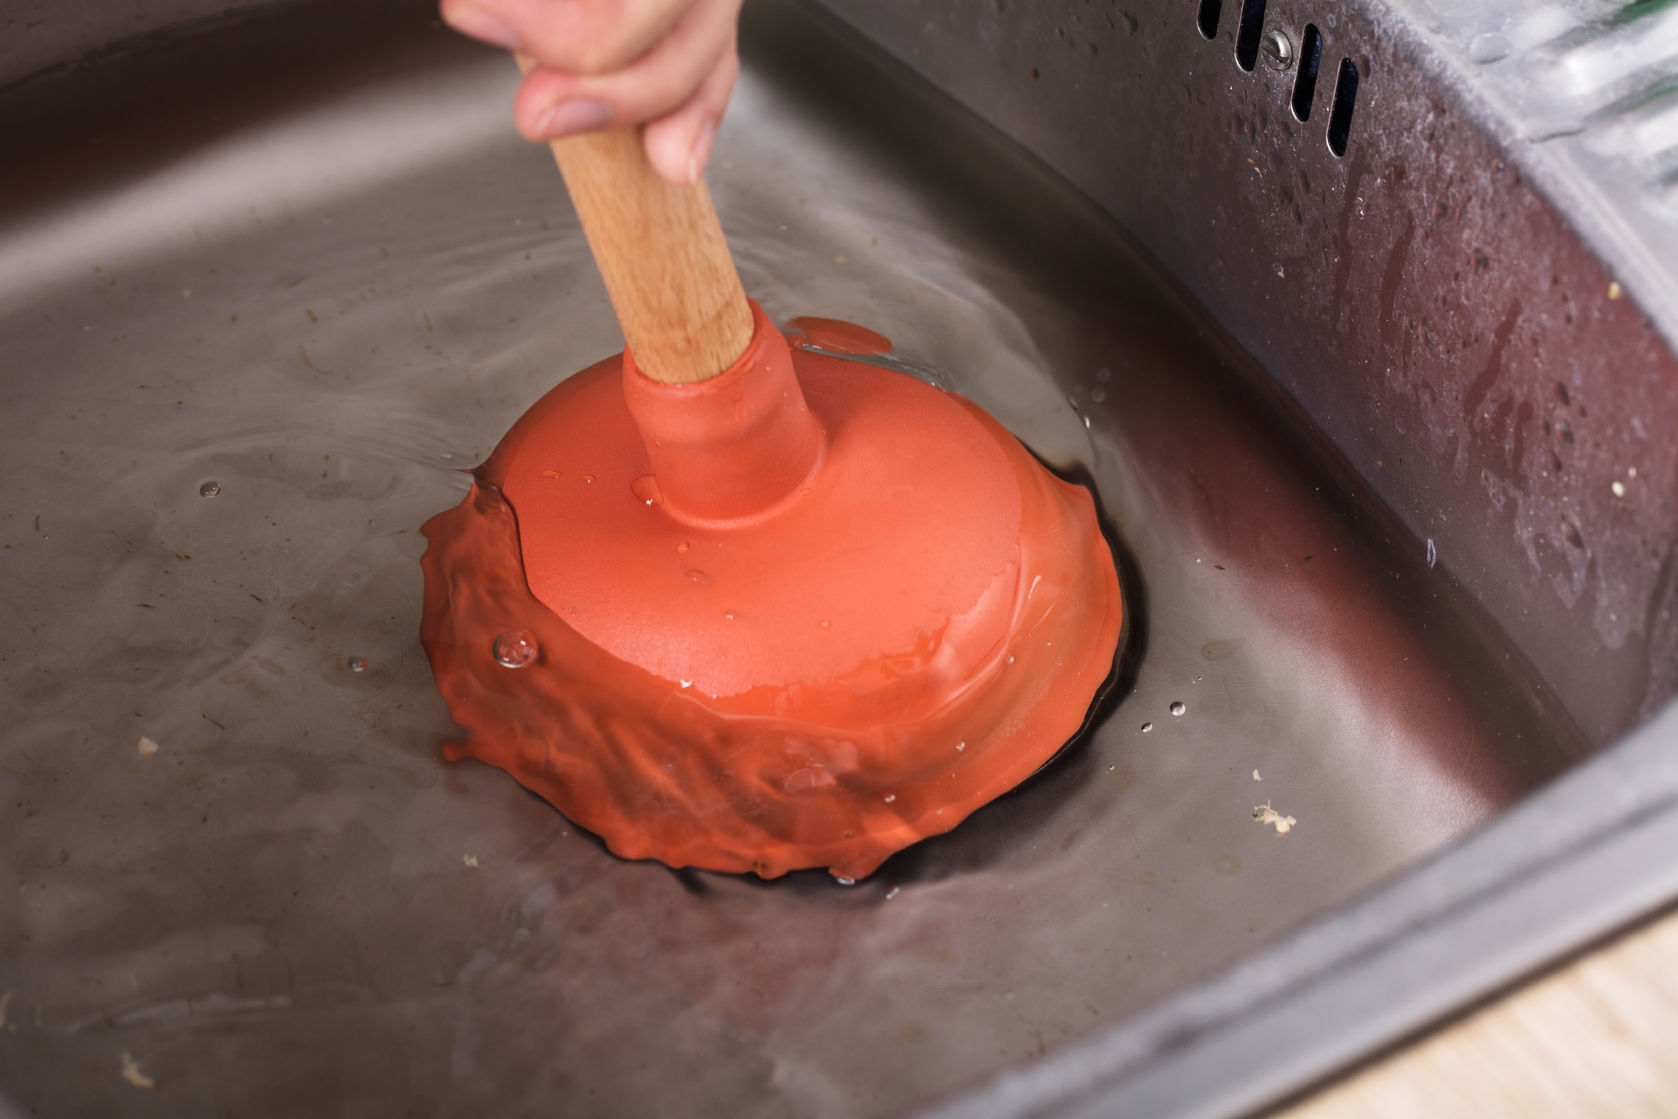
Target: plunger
x: 741, y: 606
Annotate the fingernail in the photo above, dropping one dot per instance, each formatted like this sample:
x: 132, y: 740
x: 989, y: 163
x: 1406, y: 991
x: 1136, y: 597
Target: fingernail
x: 580, y: 114
x: 701, y: 151
x: 480, y: 24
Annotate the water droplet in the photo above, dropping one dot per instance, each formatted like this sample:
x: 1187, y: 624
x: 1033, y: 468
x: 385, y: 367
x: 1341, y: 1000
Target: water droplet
x: 1178, y: 707
x: 961, y: 745
x: 1432, y: 553
x: 685, y: 683
x: 1489, y: 47
x: 728, y: 615
x: 893, y: 892
x: 209, y: 489
x: 1146, y: 727
x: 695, y: 575
x: 682, y: 548
x: 1104, y: 375
x: 588, y: 477
x: 826, y: 624
x: 843, y: 881
x: 358, y: 664
x: 890, y: 797
x: 1010, y: 658
x: 646, y: 488
x: 515, y: 648
x: 1098, y: 394
x: 1619, y: 488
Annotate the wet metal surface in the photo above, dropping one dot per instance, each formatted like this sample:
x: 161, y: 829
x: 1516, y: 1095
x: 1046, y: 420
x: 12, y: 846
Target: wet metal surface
x: 293, y: 901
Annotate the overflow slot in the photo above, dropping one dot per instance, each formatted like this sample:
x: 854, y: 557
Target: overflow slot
x: 1305, y: 85
x: 1207, y: 19
x: 1345, y: 98
x: 1249, y: 33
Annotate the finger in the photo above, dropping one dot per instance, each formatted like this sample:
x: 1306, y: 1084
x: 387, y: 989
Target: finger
x: 678, y: 144
x: 550, y: 103
x: 576, y: 36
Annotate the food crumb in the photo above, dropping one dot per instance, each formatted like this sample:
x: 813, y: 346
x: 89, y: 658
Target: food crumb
x: 131, y: 1073
x: 1615, y: 290
x: 147, y: 747
x: 1265, y: 814
x: 469, y: 860
x: 1256, y: 777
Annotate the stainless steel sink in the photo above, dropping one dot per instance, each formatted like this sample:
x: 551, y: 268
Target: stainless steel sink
x: 274, y: 278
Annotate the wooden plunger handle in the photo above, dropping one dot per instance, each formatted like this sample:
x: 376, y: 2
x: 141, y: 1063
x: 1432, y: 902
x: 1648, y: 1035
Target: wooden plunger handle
x: 661, y: 251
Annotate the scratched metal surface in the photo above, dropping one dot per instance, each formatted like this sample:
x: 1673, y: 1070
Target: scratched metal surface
x: 327, y: 296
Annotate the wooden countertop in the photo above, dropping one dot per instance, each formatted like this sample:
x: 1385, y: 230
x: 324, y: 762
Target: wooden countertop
x: 1596, y: 1036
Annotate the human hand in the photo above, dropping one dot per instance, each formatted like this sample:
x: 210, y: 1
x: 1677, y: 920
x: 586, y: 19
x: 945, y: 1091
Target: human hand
x: 668, y: 64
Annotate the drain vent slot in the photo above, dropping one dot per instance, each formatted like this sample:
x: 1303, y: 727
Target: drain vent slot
x: 1207, y: 20
x: 1247, y: 36
x: 1305, y: 84
x: 1345, y: 98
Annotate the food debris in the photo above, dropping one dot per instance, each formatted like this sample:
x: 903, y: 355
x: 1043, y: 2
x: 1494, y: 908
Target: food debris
x: 1256, y: 777
x: 147, y: 747
x: 1615, y: 290
x: 131, y: 1073
x: 893, y: 892
x: 469, y: 860
x: 1619, y: 488
x: 1265, y: 814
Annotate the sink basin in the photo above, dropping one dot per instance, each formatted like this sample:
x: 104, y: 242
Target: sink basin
x: 277, y: 277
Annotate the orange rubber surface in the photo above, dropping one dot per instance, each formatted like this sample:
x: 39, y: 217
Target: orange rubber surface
x: 725, y: 629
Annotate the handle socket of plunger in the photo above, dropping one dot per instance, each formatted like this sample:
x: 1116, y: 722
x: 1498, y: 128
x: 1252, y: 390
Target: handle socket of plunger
x: 733, y: 448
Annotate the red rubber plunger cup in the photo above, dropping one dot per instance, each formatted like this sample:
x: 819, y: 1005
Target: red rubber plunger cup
x: 798, y: 612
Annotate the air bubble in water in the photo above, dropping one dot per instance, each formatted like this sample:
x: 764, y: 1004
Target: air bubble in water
x: 209, y: 489
x: 515, y: 648
x: 1178, y: 707
x: 357, y: 664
